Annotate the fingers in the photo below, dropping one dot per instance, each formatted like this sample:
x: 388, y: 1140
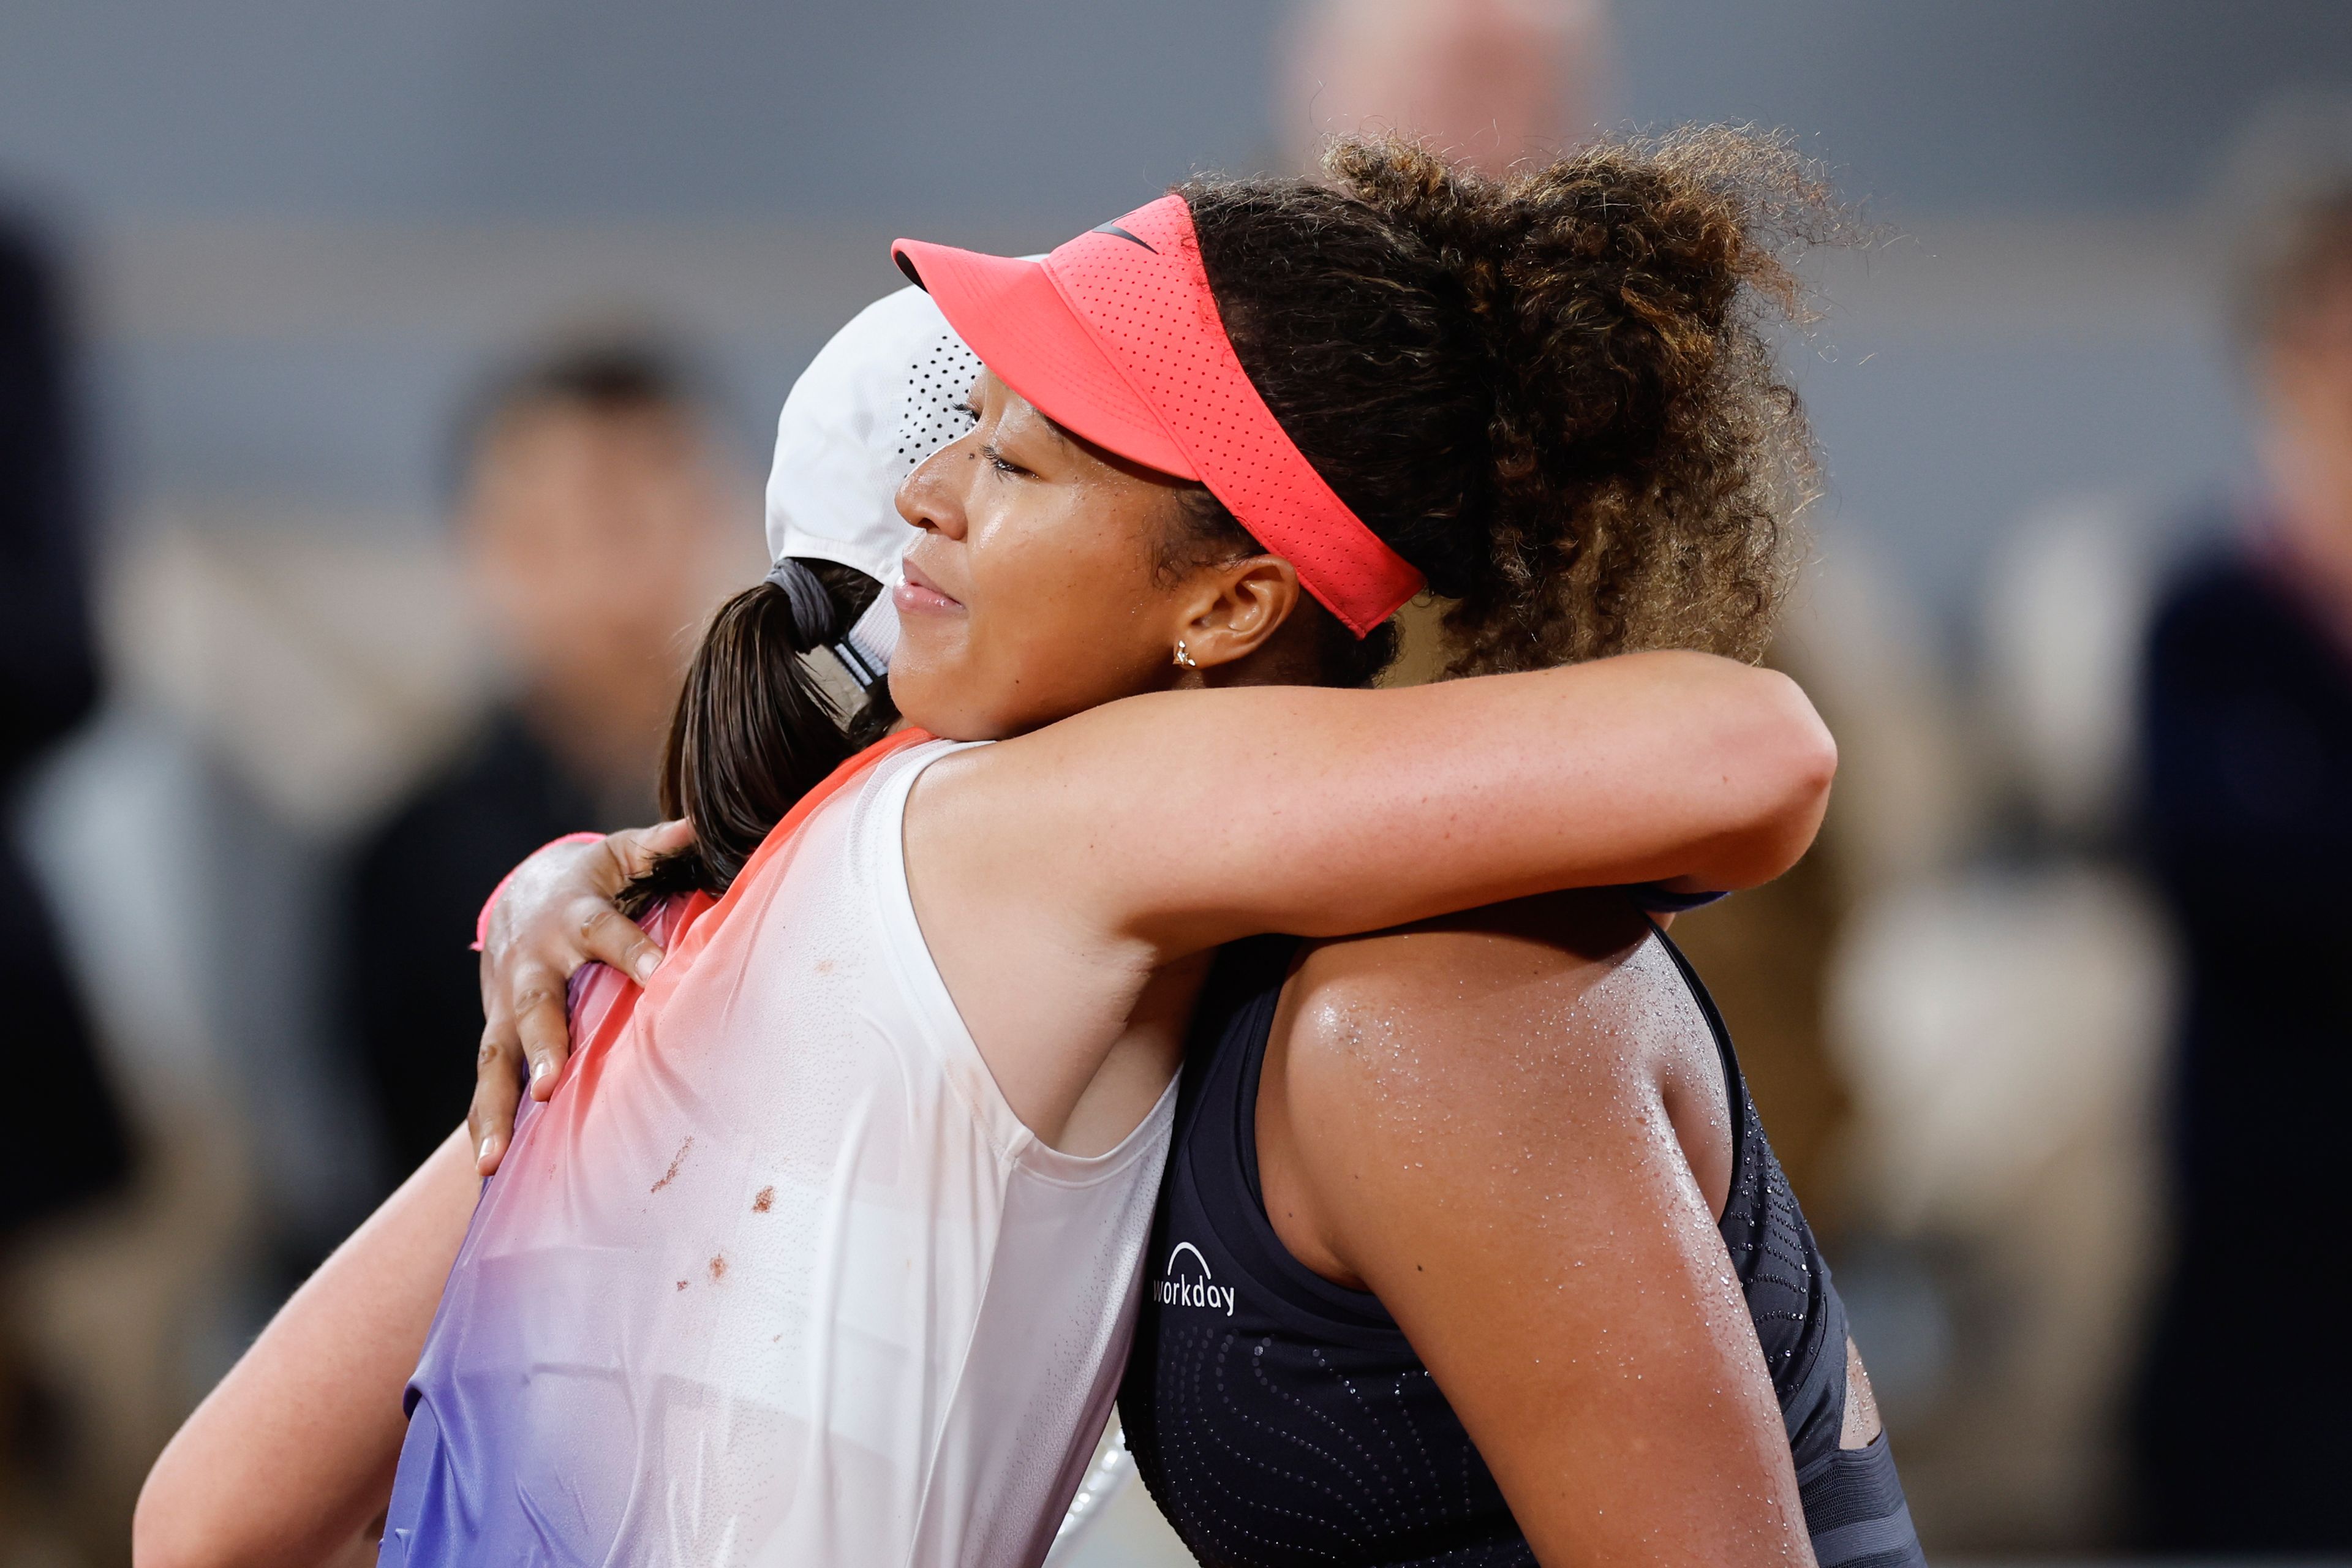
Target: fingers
x: 610, y: 937
x: 544, y: 1028
x: 556, y: 914
x: 497, y: 1090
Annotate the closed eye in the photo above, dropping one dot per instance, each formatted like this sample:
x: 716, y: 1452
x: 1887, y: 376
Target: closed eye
x: 998, y: 461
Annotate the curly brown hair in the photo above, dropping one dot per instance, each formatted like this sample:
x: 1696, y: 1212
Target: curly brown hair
x: 1554, y: 392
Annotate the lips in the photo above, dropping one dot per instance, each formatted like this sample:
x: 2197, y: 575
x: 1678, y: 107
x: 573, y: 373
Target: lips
x: 915, y: 593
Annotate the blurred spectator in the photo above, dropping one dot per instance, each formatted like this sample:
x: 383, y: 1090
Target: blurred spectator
x: 1487, y: 81
x: 2246, y: 782
x: 61, y: 1137
x: 592, y: 519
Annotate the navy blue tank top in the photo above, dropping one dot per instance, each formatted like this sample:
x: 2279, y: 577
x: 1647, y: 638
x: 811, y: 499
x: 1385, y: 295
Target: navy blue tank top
x: 1282, y: 1420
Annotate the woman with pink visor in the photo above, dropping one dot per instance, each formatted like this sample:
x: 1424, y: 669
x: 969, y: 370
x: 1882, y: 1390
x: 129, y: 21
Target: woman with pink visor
x: 825, y: 1248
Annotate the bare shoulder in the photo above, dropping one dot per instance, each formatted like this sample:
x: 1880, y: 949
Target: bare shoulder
x: 1480, y: 1052
x: 1551, y: 990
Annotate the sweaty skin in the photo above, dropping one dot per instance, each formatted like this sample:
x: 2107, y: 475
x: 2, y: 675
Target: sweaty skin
x: 1069, y: 880
x: 1511, y: 1125
x: 1087, y: 828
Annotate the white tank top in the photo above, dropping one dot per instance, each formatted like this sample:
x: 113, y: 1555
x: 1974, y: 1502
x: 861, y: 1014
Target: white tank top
x: 777, y: 1277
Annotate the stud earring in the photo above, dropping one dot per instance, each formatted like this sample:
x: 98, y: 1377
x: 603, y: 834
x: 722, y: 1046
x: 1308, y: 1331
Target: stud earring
x: 1184, y: 655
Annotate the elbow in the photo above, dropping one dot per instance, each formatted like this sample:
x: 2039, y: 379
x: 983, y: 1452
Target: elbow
x: 1809, y: 766
x: 1789, y: 761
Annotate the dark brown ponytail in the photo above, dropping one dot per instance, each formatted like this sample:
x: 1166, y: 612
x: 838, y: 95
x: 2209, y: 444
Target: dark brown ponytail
x: 761, y: 720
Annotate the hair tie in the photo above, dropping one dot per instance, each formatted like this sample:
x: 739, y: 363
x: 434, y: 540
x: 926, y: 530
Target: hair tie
x: 812, y: 607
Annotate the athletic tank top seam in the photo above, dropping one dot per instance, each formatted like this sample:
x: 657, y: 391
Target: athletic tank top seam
x: 966, y: 1068
x: 1822, y: 1464
x: 1735, y: 1091
x: 1353, y: 1315
x: 1735, y: 1083
x: 1136, y: 1145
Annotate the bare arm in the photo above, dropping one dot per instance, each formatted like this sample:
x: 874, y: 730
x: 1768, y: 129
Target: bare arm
x: 1182, y: 820
x: 1478, y: 1132
x: 1137, y: 832
x: 292, y: 1455
x: 1053, y: 873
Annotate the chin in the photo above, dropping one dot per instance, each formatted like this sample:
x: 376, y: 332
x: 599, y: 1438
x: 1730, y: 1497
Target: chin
x: 927, y: 697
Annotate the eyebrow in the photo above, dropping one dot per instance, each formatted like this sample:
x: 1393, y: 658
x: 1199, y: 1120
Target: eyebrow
x: 1062, y: 433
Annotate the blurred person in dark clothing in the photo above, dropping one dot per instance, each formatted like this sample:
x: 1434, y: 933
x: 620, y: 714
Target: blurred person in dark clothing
x: 61, y: 1136
x: 592, y: 522
x: 2243, y: 1434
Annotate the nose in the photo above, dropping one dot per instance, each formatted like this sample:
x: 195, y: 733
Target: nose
x: 931, y: 498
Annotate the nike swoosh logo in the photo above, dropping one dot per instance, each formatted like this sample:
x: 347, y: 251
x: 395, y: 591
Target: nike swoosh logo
x: 1114, y: 228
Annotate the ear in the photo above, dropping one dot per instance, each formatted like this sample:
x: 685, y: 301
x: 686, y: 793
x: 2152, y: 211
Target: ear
x: 1238, y: 606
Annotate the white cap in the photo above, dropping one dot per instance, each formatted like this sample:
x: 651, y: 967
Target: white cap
x: 885, y: 393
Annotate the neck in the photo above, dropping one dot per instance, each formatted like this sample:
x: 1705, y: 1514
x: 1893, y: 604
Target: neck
x: 1293, y: 656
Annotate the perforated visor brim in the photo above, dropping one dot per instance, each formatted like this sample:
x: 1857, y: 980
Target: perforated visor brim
x: 1009, y: 312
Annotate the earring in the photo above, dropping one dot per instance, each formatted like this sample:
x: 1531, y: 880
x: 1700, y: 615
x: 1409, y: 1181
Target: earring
x: 1184, y: 655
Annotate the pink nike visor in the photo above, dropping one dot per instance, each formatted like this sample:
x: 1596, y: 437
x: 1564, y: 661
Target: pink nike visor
x: 1116, y: 336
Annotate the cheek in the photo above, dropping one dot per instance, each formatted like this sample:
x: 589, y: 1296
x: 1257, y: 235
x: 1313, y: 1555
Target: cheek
x: 1033, y: 570
x: 1056, y: 625
x: 1069, y: 617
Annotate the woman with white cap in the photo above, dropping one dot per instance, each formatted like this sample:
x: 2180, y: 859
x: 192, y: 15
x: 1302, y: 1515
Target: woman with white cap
x: 1276, y: 1232
x: 899, y: 1093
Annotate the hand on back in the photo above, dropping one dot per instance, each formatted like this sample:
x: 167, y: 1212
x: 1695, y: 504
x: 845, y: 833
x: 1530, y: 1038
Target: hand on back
x: 555, y: 913
x: 1056, y: 875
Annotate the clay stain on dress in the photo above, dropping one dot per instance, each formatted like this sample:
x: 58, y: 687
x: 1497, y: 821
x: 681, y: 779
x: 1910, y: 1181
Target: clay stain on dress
x: 675, y: 1162
x: 717, y: 1267
x: 764, y: 1200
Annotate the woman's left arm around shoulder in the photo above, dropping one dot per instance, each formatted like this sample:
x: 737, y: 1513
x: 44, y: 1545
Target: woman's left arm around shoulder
x: 1520, y: 1204
x: 286, y: 1463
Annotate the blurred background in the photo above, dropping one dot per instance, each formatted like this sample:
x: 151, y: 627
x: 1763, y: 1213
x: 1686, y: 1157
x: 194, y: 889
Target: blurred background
x: 382, y: 398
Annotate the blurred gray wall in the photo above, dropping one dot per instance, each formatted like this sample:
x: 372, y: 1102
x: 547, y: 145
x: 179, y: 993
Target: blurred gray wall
x: 305, y: 227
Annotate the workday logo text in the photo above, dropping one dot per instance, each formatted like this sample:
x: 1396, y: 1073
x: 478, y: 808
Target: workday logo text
x: 1188, y: 1282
